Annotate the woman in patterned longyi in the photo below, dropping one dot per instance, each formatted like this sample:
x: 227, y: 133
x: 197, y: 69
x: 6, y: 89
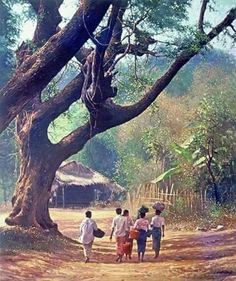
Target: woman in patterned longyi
x: 142, y: 225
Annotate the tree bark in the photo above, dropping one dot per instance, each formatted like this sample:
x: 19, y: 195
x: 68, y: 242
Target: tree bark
x: 38, y: 165
x: 214, y: 182
x: 210, y: 157
x: 32, y: 194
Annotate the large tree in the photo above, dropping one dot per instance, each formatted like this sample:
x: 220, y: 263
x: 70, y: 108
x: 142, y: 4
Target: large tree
x: 22, y: 96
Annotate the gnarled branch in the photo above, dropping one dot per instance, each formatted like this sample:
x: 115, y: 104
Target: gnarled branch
x: 232, y: 27
x: 38, y: 70
x: 96, y: 84
x: 110, y: 115
x: 122, y: 114
x: 48, y: 19
x: 201, y: 16
x: 58, y: 104
x: 75, y: 141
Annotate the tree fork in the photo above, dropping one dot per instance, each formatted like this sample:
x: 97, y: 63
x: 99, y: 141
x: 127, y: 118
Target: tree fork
x: 39, y: 69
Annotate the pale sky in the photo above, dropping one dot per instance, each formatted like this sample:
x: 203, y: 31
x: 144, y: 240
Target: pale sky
x: 222, y: 7
x: 67, y: 10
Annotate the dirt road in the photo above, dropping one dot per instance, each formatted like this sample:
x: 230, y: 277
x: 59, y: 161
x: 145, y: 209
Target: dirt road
x: 184, y: 256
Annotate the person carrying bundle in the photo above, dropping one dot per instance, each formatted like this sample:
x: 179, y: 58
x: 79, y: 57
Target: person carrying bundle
x: 86, y: 233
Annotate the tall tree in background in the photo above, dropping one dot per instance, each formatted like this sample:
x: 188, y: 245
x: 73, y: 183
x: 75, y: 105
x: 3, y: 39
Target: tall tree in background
x: 214, y: 142
x: 8, y: 34
x: 117, y: 37
x: 9, y: 30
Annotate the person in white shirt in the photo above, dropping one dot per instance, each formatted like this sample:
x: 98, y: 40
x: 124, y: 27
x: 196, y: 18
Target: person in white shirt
x: 120, y: 229
x: 158, y: 230
x: 86, y: 234
x: 130, y: 223
x: 142, y: 225
x: 129, y: 219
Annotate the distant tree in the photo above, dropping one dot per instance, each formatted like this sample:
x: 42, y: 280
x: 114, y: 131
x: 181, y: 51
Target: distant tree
x: 8, y: 35
x: 214, y: 141
x: 8, y: 163
x: 9, y: 30
x: 206, y: 160
x: 119, y: 35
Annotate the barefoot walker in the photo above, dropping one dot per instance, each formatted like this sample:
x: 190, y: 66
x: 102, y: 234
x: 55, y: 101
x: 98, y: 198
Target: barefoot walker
x: 142, y: 226
x: 158, y: 228
x: 87, y: 228
x: 120, y: 230
x: 128, y: 247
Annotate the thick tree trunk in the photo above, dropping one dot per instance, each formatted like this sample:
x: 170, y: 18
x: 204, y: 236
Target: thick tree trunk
x: 32, y: 193
x: 38, y: 165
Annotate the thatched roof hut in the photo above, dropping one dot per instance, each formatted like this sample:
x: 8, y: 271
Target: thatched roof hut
x: 77, y: 185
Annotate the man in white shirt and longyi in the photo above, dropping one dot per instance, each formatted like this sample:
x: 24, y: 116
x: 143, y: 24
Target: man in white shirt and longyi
x: 120, y: 228
x: 87, y: 228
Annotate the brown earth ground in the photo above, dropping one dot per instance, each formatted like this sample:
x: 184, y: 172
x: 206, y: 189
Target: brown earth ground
x: 184, y: 256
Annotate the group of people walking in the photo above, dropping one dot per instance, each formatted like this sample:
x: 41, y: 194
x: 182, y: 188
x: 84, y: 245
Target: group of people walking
x: 122, y: 228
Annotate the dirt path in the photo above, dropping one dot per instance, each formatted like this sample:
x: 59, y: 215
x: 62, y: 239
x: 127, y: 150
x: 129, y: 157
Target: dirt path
x: 184, y: 256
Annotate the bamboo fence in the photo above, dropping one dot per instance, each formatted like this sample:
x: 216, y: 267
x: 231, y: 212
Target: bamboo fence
x: 187, y: 200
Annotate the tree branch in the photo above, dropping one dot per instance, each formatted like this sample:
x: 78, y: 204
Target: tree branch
x: 82, y: 54
x: 227, y: 21
x: 38, y: 70
x: 233, y: 28
x: 51, y: 109
x: 72, y: 92
x: 48, y: 19
x: 201, y: 16
x: 94, y: 90
x: 112, y: 67
x: 75, y: 141
x: 35, y: 5
x: 116, y: 47
x: 122, y: 114
x: 58, y: 104
x: 117, y: 31
x: 110, y: 114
